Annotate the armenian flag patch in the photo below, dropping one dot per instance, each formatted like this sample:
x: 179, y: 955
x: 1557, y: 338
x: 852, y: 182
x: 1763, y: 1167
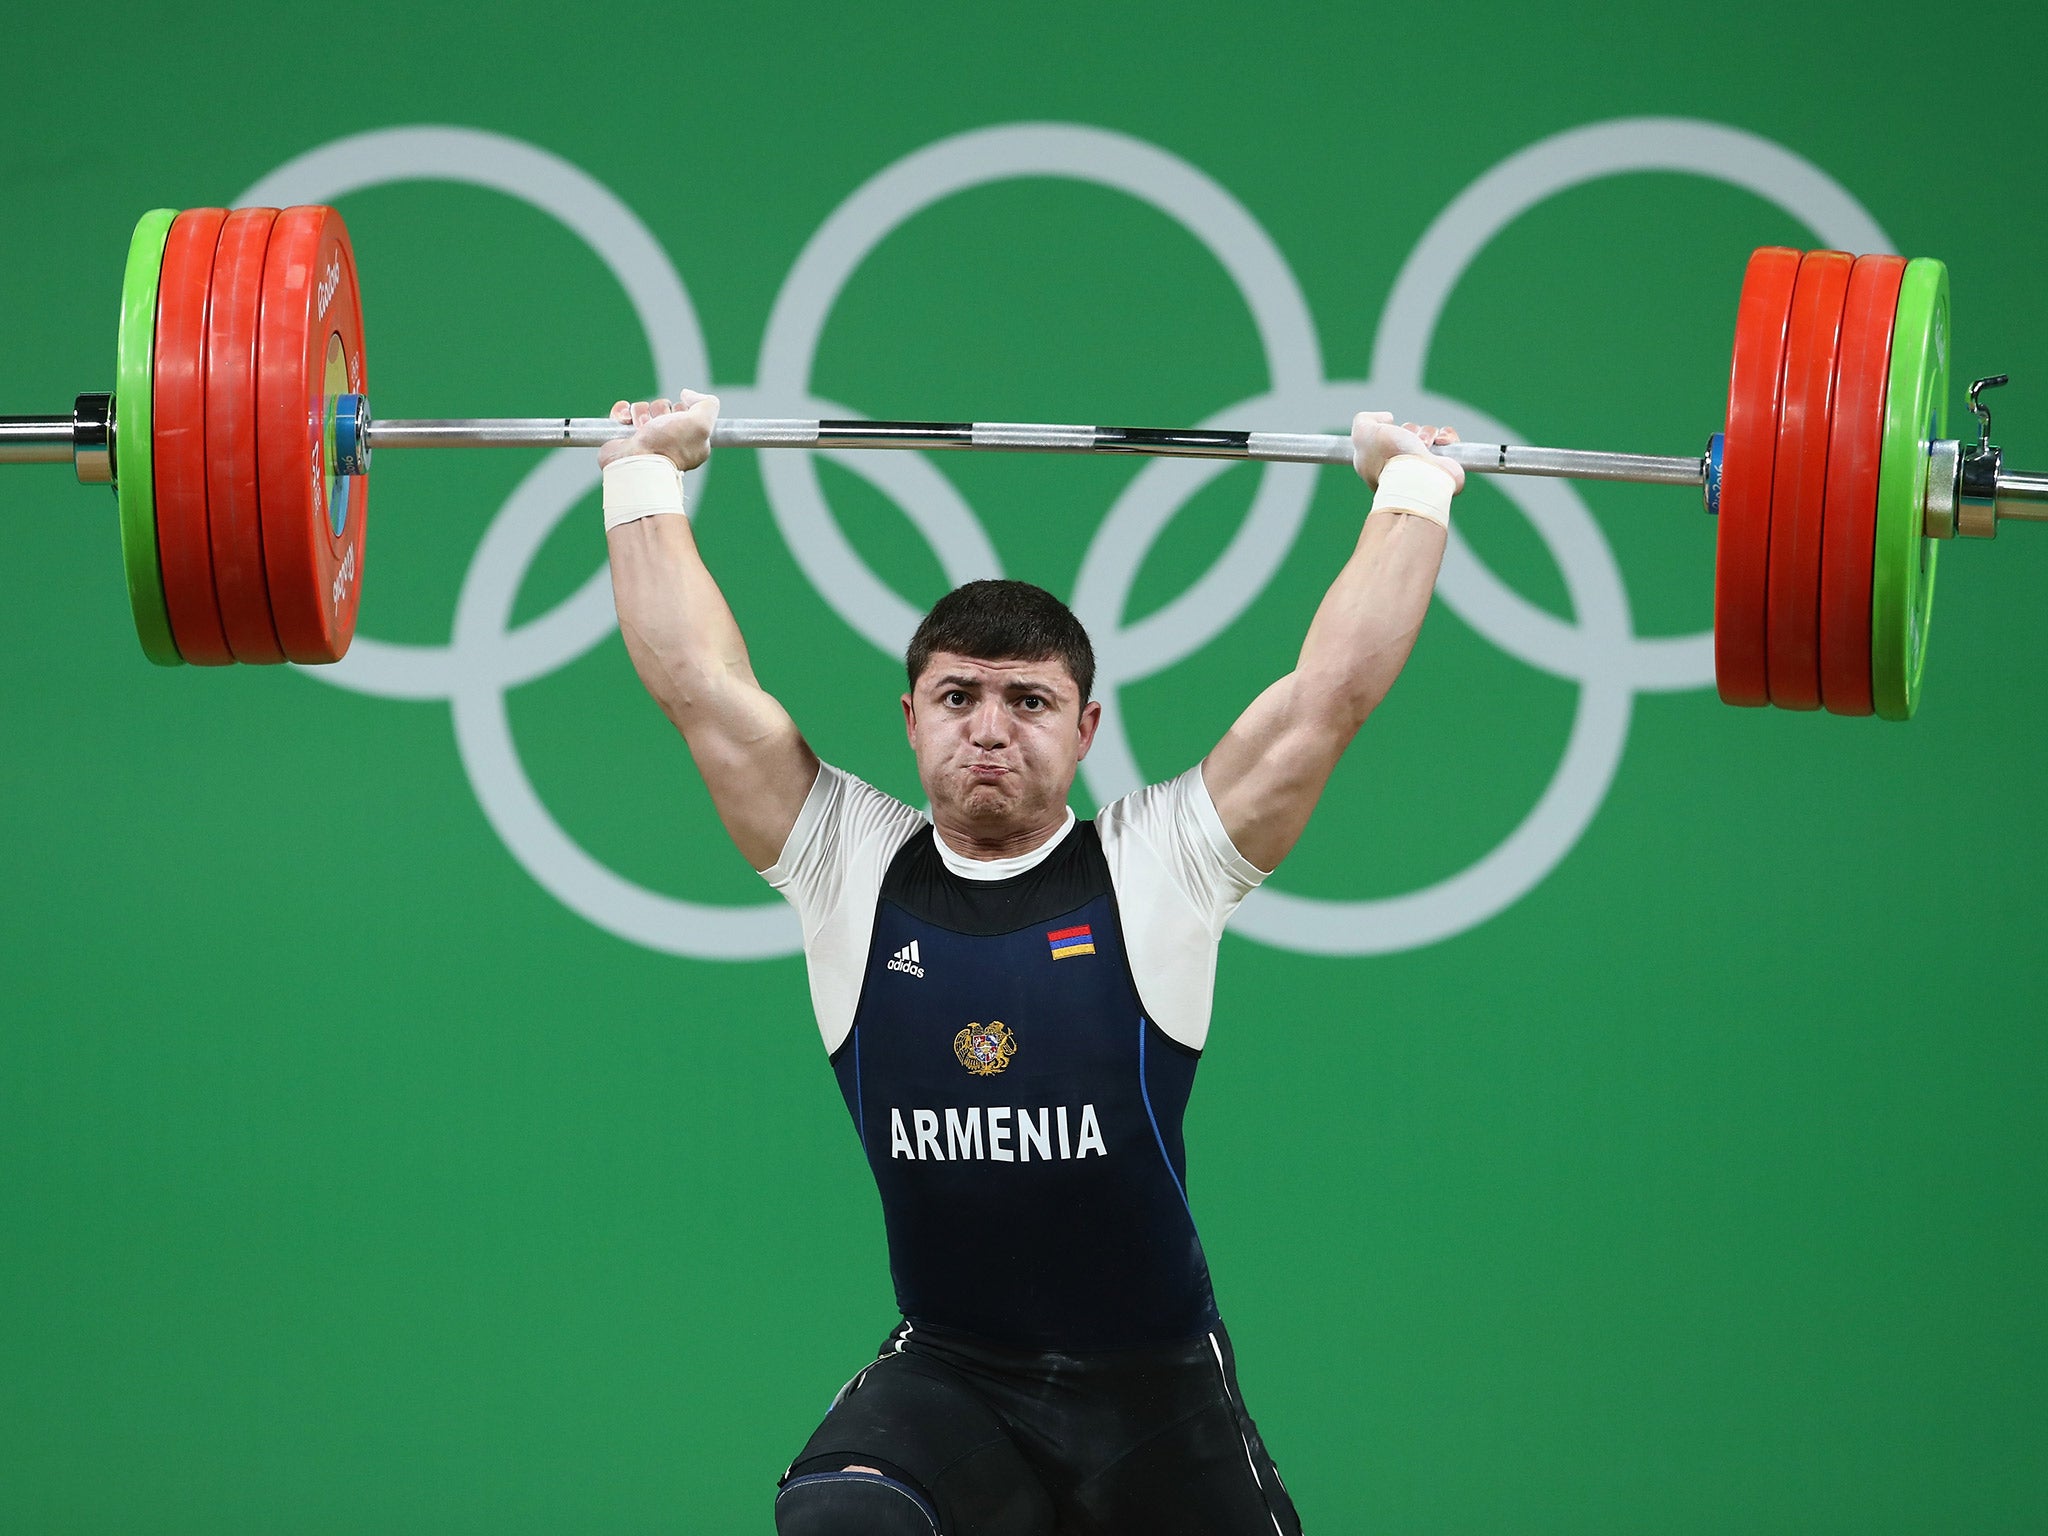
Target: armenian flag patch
x: 1069, y: 942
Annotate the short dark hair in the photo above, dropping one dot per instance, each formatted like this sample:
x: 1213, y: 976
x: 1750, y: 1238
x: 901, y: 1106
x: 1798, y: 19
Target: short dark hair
x: 1003, y: 621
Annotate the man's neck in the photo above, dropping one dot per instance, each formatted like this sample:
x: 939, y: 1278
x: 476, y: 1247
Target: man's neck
x: 984, y: 844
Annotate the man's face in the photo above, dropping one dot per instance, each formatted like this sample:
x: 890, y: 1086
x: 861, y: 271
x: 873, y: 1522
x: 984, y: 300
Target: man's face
x: 997, y: 742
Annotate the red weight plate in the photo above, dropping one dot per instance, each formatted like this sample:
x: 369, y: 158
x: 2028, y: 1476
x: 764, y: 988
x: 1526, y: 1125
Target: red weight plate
x: 1799, y: 480
x: 184, y: 549
x: 234, y: 306
x: 311, y: 351
x: 1849, y: 531
x: 1742, y: 545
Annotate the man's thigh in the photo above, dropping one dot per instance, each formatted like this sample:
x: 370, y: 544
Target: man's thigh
x: 916, y: 1423
x: 1207, y: 1475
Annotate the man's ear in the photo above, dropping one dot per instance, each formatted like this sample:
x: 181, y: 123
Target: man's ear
x: 1090, y: 718
x: 910, y: 721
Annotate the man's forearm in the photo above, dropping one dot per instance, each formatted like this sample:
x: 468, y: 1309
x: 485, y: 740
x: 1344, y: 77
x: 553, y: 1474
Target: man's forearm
x: 682, y: 637
x: 1367, y: 622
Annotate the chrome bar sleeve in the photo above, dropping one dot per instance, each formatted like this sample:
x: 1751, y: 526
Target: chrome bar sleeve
x: 35, y: 439
x: 1578, y: 464
x: 2023, y: 498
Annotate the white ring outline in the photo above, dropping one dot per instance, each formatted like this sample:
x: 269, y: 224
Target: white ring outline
x: 1600, y: 650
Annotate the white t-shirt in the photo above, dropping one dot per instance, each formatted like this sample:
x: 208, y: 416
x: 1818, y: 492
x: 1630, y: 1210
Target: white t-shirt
x: 1176, y: 876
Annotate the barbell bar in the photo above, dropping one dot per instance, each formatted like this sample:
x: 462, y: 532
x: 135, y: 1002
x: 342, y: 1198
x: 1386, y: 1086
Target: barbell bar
x: 244, y: 496
x: 83, y: 436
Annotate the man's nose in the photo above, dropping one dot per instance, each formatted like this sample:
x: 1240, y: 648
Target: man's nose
x: 991, y: 724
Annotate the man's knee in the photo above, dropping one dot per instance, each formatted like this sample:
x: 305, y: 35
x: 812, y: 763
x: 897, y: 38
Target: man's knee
x: 852, y: 1501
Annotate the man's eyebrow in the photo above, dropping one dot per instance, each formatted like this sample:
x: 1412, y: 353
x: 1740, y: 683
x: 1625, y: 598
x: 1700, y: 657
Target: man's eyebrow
x: 1015, y: 686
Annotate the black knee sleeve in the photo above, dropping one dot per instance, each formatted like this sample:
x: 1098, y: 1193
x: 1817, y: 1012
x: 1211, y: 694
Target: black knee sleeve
x: 852, y: 1504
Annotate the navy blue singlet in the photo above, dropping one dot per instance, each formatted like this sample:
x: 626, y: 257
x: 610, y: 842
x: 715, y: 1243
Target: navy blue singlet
x: 1021, y: 1113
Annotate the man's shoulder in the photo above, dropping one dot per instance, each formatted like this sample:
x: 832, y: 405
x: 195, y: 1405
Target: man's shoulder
x: 855, y: 794
x: 1152, y: 806
x: 1174, y: 825
x: 866, y: 817
x: 845, y: 820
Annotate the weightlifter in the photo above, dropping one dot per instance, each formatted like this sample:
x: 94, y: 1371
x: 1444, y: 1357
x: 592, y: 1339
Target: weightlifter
x: 1014, y: 1002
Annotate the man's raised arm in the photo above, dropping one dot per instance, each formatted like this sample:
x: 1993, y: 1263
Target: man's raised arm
x: 1270, y: 768
x: 682, y: 637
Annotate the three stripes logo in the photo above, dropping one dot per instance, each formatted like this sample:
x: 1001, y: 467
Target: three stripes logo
x: 908, y: 961
x: 1069, y: 942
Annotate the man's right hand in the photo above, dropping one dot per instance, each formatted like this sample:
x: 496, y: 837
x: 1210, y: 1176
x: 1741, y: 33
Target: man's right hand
x: 680, y: 432
x: 1375, y: 439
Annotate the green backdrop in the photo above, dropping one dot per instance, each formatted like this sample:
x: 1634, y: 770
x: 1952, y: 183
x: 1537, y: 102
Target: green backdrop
x: 352, y: 1180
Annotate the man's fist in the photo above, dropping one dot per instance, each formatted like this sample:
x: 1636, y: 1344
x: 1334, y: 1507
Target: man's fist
x: 681, y: 432
x: 1375, y: 439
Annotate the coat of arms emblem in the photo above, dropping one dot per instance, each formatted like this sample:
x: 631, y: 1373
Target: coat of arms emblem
x: 985, y: 1049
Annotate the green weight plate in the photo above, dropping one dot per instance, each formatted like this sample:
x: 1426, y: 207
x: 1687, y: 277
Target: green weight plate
x: 1915, y: 414
x: 134, y: 471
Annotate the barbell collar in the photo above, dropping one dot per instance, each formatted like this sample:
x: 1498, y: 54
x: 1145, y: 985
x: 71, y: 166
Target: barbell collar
x: 92, y: 439
x: 1939, y: 518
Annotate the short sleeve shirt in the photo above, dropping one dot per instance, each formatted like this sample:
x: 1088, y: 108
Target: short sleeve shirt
x: 1176, y: 875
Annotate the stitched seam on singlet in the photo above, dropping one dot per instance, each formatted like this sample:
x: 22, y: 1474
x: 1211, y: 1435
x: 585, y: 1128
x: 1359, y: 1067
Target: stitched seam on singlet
x: 861, y: 1477
x: 860, y: 1104
x: 1145, y: 1093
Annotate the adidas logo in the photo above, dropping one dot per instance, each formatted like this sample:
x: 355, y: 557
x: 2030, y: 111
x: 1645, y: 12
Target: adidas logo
x: 908, y: 961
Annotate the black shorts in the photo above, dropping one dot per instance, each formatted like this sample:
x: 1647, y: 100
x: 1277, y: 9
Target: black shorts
x: 1015, y: 1442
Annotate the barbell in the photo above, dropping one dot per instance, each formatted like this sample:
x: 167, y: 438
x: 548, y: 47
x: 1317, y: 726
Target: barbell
x: 238, y: 439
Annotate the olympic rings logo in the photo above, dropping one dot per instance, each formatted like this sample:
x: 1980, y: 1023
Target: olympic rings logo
x: 1600, y: 652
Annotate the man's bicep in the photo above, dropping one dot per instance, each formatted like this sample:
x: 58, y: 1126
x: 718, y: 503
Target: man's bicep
x: 1269, y: 770
x: 757, y: 766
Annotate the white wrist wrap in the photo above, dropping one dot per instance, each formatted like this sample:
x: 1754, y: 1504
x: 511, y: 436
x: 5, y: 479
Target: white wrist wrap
x: 1414, y: 482
x: 641, y: 485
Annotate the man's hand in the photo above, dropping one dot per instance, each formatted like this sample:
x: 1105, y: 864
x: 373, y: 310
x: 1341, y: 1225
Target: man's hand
x: 1375, y: 439
x: 681, y: 432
